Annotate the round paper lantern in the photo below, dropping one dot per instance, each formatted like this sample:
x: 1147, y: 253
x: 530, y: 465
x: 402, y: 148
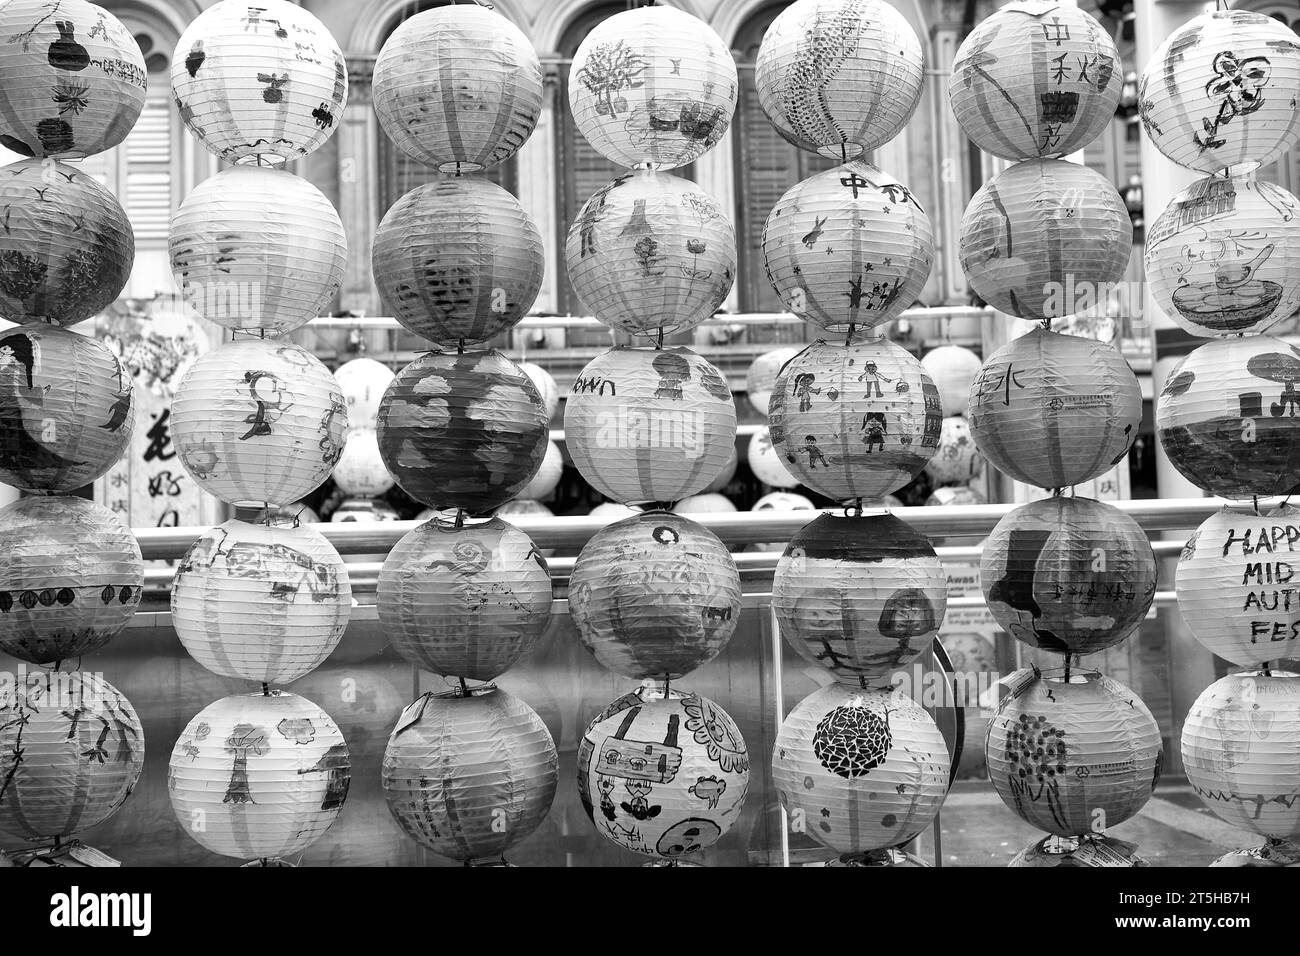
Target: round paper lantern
x: 1227, y: 417
x: 783, y: 501
x: 712, y: 503
x: 258, y: 421
x: 261, y: 602
x: 72, y: 79
x: 664, y: 776
x: 766, y: 462
x: 296, y: 513
x: 458, y: 88
x: 654, y: 595
x: 360, y: 471
x: 951, y: 496
x: 67, y: 409
x: 859, y: 596
x: 469, y: 777
x: 857, y: 420
x: 363, y: 510
x: 1073, y: 757
x: 546, y: 387
x: 849, y: 248
x: 363, y: 382
x: 724, y: 478
x: 1224, y: 256
x: 73, y: 749
x: 1037, y: 78
x: 524, y: 506
x: 1055, y: 410
x: 1219, y: 91
x: 462, y: 430
x: 259, y: 776
x: 956, y: 459
x: 548, y: 475
x: 255, y: 248
x: 649, y: 424
x: 953, y: 370
x: 1273, y: 853
x: 864, y: 769
x: 761, y: 377
x: 614, y: 510
x: 457, y: 260
x: 66, y: 248
x: 839, y: 77
x: 652, y: 85
x: 651, y: 253
x: 1092, y: 850
x: 261, y: 85
x: 1042, y: 236
x: 1069, y: 575
x: 465, y: 602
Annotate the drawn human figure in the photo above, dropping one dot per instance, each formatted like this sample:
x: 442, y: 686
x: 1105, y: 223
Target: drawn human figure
x: 336, y: 763
x: 19, y: 357
x: 606, y: 787
x: 673, y: 370
x: 871, y: 375
x: 267, y: 393
x: 874, y: 429
x: 1287, y: 404
x: 243, y: 738
x: 804, y: 391
x: 908, y: 613
x: 815, y: 454
x: 639, y: 807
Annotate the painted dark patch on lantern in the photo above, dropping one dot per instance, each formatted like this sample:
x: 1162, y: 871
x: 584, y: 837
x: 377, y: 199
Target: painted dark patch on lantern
x: 852, y: 741
x: 865, y: 539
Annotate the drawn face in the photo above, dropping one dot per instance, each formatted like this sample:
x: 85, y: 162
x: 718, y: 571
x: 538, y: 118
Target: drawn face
x: 688, y: 838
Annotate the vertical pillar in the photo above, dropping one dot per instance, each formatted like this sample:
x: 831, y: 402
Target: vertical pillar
x: 537, y: 185
x: 950, y: 170
x: 358, y: 153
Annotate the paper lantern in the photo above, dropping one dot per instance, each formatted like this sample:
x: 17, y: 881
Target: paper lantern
x: 458, y: 88
x: 1227, y: 417
x: 766, y: 461
x: 762, y: 374
x: 849, y: 248
x: 956, y: 459
x: 261, y: 602
x: 255, y: 248
x: 1069, y: 575
x: 264, y: 84
x: 953, y: 370
x: 855, y: 421
x: 546, y: 387
x: 258, y: 421
x: 783, y: 501
x: 363, y: 510
x: 67, y: 409
x: 1042, y: 235
x: 466, y: 602
x: 613, y: 510
x: 360, y: 471
x: 1073, y: 757
x: 363, y: 382
x: 724, y: 477
x: 73, y: 749
x: 839, y: 77
x: 259, y: 776
x: 72, y: 79
x: 712, y: 503
x: 1219, y: 91
x: 1273, y: 853
x: 296, y: 513
x: 524, y: 506
x: 654, y: 595
x: 652, y: 85
x: 1224, y: 256
x: 66, y: 249
x: 1092, y: 850
x: 548, y: 475
x: 457, y: 260
x: 1036, y: 78
x: 650, y: 252
x: 463, y: 430
x: 649, y: 424
x: 862, y: 769
x: 1055, y: 410
x: 665, y: 776
x: 953, y: 496
x: 469, y: 777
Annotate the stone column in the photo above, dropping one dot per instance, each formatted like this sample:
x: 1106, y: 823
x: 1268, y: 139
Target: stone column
x: 358, y: 158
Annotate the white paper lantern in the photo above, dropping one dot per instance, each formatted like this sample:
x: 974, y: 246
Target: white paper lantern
x: 614, y: 510
x: 548, y: 475
x: 766, y: 462
x: 783, y: 501
x: 363, y: 382
x: 363, y: 511
x: 524, y: 506
x: 360, y: 471
x: 546, y: 387
x: 762, y: 374
x: 950, y: 496
x: 953, y: 370
x: 712, y: 503
x: 956, y: 459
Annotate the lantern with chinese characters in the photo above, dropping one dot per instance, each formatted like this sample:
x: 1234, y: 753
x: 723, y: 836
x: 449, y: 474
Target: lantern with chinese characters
x: 258, y: 421
x: 457, y: 260
x: 654, y: 595
x: 259, y: 776
x: 363, y: 382
x: 546, y: 387
x: 857, y: 420
x: 1055, y: 410
x: 762, y: 374
x: 956, y: 459
x: 360, y: 471
x: 468, y: 777
x: 953, y: 369
x: 849, y: 248
x: 458, y: 88
x: 548, y: 475
x: 262, y: 85
x: 766, y: 461
x: 1073, y: 756
x: 665, y: 776
x: 256, y: 248
x: 1041, y: 235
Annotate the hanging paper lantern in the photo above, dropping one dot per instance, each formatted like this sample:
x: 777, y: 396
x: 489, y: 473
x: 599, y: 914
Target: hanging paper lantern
x: 783, y: 501
x: 546, y: 387
x: 649, y: 424
x: 523, y: 506
x: 855, y: 421
x: 258, y: 421
x: 255, y: 248
x: 654, y: 595
x: 664, y: 776
x: 761, y: 377
x: 363, y: 382
x: 1073, y: 757
x: 464, y: 602
x: 73, y: 749
x: 72, y: 79
x: 296, y: 513
x: 953, y: 370
x: 1092, y: 850
x: 458, y: 88
x: 457, y: 260
x: 951, y: 496
x: 956, y: 459
x: 548, y: 475
x: 469, y: 777
x: 365, y: 511
x: 849, y: 248
x: 1036, y: 78
x: 652, y: 85
x: 1219, y: 91
x: 264, y: 84
x: 767, y: 463
x: 1043, y: 234
x: 259, y: 776
x: 724, y: 478
x: 864, y: 769
x: 712, y: 503
x: 1055, y: 410
x: 360, y: 471
x: 614, y: 510
x: 839, y: 77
